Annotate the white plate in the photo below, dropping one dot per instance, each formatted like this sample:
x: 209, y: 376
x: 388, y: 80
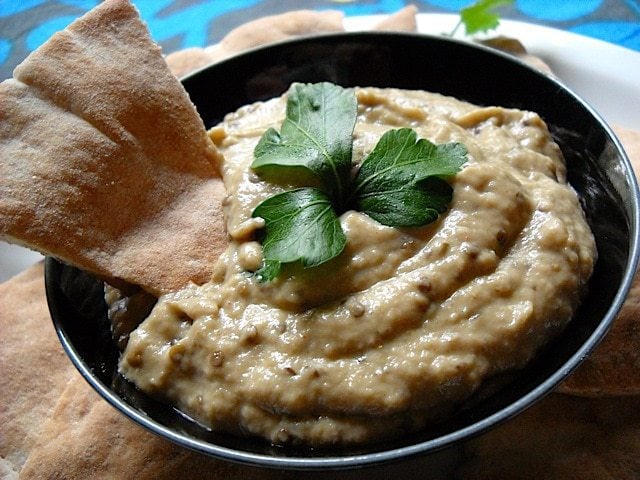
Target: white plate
x: 605, y: 75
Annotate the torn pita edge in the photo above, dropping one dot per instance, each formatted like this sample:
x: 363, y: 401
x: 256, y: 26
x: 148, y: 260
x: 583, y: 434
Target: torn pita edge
x: 48, y: 75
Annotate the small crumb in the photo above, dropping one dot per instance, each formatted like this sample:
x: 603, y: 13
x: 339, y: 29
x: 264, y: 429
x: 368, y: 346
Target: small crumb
x: 216, y: 359
x: 282, y: 436
x: 501, y: 237
x: 217, y: 134
x: 356, y: 308
x: 251, y: 335
x: 135, y: 359
x: 245, y: 230
x: 250, y: 256
x: 253, y: 177
x: 176, y: 353
x: 425, y: 286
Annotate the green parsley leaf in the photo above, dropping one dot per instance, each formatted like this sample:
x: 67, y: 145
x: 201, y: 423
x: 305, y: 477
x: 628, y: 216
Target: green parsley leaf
x: 399, y: 182
x: 480, y: 16
x: 300, y: 225
x: 316, y: 135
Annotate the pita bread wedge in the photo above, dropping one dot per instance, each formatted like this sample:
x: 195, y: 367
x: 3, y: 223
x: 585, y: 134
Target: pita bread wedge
x: 104, y: 161
x: 257, y: 32
x: 86, y: 438
x: 404, y: 20
x: 33, y: 368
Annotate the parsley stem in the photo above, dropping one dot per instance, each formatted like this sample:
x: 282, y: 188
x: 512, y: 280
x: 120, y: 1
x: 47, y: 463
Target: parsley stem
x: 455, y: 29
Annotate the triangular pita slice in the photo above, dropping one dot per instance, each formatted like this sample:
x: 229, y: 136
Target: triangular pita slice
x: 105, y: 162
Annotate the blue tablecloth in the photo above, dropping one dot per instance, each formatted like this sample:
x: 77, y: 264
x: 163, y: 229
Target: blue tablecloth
x: 176, y: 24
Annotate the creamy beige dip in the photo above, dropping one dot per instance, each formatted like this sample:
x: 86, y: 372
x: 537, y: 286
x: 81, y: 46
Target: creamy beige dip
x: 406, y: 323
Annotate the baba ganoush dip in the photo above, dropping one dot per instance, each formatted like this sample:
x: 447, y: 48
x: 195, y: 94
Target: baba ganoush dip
x: 405, y: 324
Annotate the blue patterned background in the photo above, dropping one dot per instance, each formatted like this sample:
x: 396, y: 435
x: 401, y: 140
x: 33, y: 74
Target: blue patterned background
x: 176, y: 24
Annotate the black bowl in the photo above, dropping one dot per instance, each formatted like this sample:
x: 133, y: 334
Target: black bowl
x: 598, y: 170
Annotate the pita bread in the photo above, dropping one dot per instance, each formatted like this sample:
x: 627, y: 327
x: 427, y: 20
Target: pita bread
x: 562, y: 437
x: 33, y: 368
x: 515, y: 48
x: 104, y: 161
x: 275, y: 28
x: 614, y: 366
x: 86, y: 438
x: 281, y: 27
x: 404, y: 20
x: 254, y: 34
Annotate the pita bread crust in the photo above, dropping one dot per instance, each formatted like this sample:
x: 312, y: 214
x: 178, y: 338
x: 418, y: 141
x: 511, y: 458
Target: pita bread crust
x: 105, y: 162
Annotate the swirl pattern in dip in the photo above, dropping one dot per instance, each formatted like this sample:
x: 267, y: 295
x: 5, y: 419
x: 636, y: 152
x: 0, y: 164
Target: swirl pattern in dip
x: 405, y: 324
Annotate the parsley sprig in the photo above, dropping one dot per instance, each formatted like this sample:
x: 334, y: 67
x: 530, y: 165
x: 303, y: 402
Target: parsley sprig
x: 480, y: 16
x: 401, y: 183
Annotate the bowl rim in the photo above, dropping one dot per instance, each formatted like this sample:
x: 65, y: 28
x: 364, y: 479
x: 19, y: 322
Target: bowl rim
x: 403, y: 452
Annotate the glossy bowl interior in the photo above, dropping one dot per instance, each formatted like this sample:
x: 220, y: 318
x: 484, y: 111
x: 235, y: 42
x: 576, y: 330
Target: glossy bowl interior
x: 598, y: 170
